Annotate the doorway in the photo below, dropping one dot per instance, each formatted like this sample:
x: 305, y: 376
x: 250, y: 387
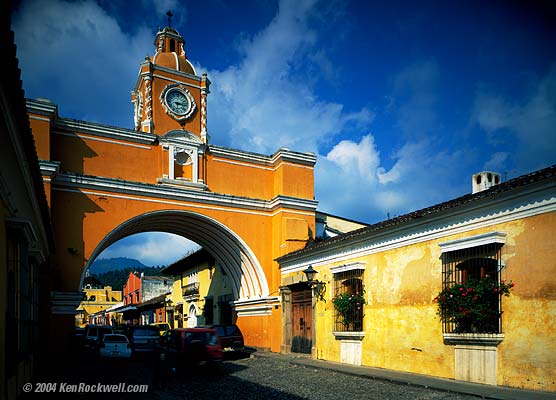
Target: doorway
x: 302, y: 321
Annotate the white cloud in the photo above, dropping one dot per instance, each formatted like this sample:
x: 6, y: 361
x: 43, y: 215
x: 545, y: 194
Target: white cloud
x: 358, y: 158
x: 362, y: 189
x: 152, y: 248
x: 79, y: 53
x: 262, y: 103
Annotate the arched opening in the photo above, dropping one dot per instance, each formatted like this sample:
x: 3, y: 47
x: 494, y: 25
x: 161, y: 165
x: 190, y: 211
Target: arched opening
x: 192, y: 316
x: 247, y: 279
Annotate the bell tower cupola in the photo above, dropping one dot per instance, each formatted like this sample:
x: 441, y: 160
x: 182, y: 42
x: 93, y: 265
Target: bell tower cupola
x: 169, y: 95
x: 170, y: 51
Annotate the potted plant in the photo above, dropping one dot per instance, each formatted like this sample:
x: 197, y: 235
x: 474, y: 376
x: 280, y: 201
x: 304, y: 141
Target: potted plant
x: 349, y: 307
x: 473, y: 306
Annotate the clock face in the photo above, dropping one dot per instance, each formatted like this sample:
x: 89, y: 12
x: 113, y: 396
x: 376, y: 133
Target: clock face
x: 177, y: 101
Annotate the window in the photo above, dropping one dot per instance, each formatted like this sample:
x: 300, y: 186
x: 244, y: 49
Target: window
x: 473, y: 266
x: 349, y: 298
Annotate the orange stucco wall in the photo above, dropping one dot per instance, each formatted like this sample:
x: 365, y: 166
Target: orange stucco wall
x: 84, y: 212
x: 82, y: 217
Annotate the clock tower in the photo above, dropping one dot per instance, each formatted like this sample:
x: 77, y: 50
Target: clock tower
x: 169, y: 95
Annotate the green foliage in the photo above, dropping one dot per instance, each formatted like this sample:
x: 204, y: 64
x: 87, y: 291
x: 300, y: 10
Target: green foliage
x: 349, y: 307
x: 473, y: 306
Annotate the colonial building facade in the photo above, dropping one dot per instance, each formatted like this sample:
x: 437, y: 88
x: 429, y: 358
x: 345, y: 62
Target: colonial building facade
x: 377, y: 290
x: 104, y: 183
x: 95, y: 300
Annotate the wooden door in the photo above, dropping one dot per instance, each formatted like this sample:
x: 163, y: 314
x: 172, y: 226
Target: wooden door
x: 302, y: 321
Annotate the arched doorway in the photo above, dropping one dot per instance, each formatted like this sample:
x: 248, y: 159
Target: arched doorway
x: 192, y: 316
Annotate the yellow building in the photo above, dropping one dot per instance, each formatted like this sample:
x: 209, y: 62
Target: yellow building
x: 388, y: 276
x: 94, y: 301
x: 201, y: 294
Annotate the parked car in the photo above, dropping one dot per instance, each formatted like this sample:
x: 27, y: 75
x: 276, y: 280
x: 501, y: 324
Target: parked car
x: 94, y: 334
x: 229, y: 336
x: 115, y: 345
x: 186, y: 346
x: 143, y: 338
x: 162, y: 327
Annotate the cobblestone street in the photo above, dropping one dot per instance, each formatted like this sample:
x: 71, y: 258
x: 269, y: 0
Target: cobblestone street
x: 262, y: 376
x: 272, y: 376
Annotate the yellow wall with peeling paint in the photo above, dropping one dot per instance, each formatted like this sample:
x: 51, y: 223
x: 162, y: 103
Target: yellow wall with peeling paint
x: 402, y: 331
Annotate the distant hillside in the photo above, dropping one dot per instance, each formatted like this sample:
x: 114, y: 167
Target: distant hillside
x: 110, y: 264
x: 118, y: 277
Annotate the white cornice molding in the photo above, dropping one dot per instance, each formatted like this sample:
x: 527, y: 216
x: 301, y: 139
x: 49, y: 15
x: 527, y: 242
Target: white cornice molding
x: 122, y: 187
x: 348, y: 267
x: 287, y: 155
x: 182, y: 183
x: 181, y: 137
x: 128, y: 135
x: 49, y: 168
x: 293, y: 202
x: 65, y: 303
x: 42, y: 107
x: 473, y: 241
x: 473, y: 339
x: 282, y: 155
x: 256, y: 307
x: 522, y: 203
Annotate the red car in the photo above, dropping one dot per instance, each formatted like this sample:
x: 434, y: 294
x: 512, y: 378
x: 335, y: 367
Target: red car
x: 230, y: 337
x: 191, y: 346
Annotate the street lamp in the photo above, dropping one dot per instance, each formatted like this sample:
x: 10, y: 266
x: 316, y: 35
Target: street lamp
x: 319, y: 288
x: 310, y: 273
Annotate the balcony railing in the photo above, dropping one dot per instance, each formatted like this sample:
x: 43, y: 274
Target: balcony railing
x: 191, y: 289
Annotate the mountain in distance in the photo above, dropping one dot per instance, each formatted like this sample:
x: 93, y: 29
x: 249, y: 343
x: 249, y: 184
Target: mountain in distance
x: 103, y: 265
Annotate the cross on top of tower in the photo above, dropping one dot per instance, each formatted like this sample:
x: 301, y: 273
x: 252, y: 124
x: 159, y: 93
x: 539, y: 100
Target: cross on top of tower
x: 170, y: 15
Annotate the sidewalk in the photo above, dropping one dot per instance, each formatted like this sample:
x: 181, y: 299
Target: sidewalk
x: 407, y: 378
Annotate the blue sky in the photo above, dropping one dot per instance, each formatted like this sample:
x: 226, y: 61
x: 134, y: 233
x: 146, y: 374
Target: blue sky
x: 401, y: 101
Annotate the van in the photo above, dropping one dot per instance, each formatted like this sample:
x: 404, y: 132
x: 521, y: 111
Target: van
x: 94, y: 334
x: 143, y: 338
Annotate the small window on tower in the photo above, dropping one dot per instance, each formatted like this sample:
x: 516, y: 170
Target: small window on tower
x: 172, y: 45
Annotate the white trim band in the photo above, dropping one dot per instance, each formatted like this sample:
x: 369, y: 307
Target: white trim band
x: 348, y: 267
x: 473, y: 241
x: 256, y: 307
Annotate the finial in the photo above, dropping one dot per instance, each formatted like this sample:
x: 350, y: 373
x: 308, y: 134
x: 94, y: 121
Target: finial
x: 170, y: 15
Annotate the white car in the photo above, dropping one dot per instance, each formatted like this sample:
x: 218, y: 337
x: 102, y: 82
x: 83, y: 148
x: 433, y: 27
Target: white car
x: 115, y: 345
